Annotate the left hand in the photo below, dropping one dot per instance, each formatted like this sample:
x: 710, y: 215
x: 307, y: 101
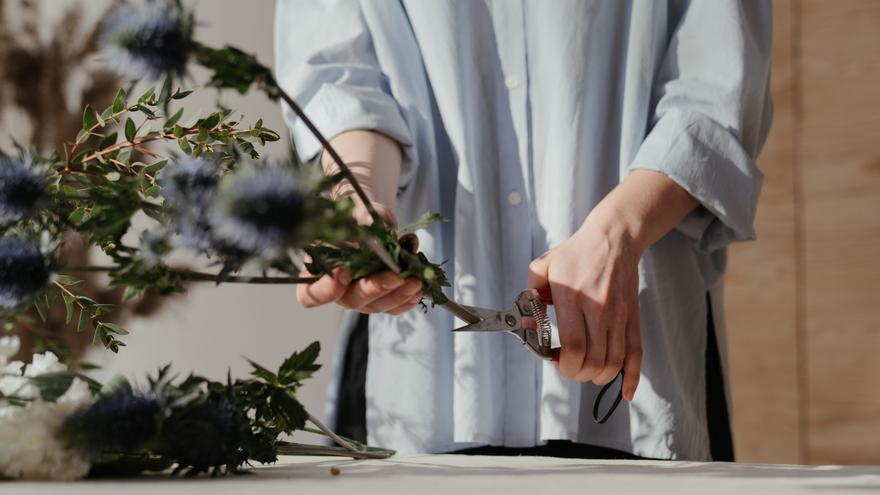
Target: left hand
x: 594, y: 280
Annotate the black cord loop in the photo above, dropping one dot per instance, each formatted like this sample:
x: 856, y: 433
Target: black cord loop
x: 613, y: 405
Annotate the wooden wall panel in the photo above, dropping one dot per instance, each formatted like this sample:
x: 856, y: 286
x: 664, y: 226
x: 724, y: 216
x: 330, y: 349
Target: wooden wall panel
x: 760, y: 292
x: 840, y: 168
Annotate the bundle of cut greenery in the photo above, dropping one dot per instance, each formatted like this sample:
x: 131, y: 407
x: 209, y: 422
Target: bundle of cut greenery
x: 210, y: 194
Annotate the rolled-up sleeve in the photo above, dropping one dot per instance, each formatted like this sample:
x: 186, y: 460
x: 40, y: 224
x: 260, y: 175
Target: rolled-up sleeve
x: 712, y: 116
x: 324, y: 58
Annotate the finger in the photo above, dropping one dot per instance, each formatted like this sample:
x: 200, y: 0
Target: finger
x: 572, y: 331
x: 395, y: 298
x: 369, y: 289
x: 539, y: 271
x: 597, y: 331
x: 325, y: 290
x: 632, y: 363
x: 615, y: 353
x: 403, y: 308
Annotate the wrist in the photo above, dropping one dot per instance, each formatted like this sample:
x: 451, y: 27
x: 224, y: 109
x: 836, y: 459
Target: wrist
x: 620, y: 223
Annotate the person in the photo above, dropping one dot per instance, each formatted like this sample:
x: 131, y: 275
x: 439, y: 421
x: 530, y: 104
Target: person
x: 604, y: 149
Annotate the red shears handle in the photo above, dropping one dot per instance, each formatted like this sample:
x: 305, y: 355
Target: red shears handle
x: 547, y: 298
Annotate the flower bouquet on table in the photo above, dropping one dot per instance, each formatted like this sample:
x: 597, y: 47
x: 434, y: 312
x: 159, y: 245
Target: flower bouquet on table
x: 61, y: 425
x: 211, y: 195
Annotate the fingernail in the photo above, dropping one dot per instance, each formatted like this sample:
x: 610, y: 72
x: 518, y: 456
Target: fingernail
x: 343, y: 277
x: 416, y: 299
x: 392, y: 282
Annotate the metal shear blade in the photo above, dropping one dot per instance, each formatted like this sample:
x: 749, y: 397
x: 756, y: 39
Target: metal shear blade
x: 493, y: 320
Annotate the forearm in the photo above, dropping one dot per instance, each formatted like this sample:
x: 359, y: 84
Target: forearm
x: 375, y: 161
x: 642, y: 209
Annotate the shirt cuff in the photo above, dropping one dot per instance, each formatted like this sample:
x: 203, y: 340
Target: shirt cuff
x: 708, y: 161
x: 334, y: 110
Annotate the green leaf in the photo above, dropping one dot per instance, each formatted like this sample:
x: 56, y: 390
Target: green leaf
x: 68, y: 305
x: 119, y: 101
x: 152, y: 191
x: 174, y: 119
x: 300, y: 365
x: 90, y: 118
x: 426, y: 219
x: 130, y: 129
x: 108, y: 141
x: 263, y: 373
x: 179, y: 95
x: 40, y: 304
x: 210, y: 121
x: 131, y: 293
x: 82, y: 321
x: 70, y: 191
x: 113, y: 327
x: 77, y: 215
x: 113, y: 176
x: 148, y: 96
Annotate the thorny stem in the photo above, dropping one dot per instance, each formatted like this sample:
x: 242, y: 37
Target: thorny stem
x: 195, y: 276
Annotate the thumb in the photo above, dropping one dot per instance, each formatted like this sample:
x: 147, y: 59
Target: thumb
x: 538, y: 271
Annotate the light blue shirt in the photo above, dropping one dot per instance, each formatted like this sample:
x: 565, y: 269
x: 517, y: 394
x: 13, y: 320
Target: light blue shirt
x: 517, y: 117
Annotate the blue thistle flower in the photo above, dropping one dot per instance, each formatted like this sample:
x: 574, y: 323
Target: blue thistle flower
x: 154, y: 245
x: 22, y: 186
x: 149, y: 41
x: 205, y: 436
x: 24, y: 271
x: 121, y: 421
x: 260, y: 210
x: 189, y: 185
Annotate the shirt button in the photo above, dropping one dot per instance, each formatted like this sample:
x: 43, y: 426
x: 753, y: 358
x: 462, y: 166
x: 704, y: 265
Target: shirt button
x: 511, y: 82
x: 514, y: 198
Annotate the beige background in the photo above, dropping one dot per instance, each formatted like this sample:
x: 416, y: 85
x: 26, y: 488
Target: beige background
x: 803, y: 304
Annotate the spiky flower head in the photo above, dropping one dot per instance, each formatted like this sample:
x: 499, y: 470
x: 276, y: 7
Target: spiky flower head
x: 154, y: 245
x: 150, y: 40
x: 189, y: 185
x: 260, y: 210
x: 208, y: 435
x: 24, y: 271
x: 120, y: 421
x: 22, y: 185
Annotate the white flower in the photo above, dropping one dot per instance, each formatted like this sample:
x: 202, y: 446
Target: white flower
x: 14, y: 383
x: 9, y: 345
x: 44, y: 363
x: 28, y: 446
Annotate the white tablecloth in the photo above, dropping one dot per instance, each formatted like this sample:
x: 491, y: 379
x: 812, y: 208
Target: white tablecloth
x: 457, y: 475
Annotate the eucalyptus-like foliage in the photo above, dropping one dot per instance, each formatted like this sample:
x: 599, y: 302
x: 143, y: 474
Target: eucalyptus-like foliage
x: 198, y: 178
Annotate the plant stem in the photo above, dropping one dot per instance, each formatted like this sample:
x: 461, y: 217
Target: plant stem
x: 330, y: 434
x: 290, y: 448
x: 194, y: 276
x: 352, y: 450
x: 343, y: 168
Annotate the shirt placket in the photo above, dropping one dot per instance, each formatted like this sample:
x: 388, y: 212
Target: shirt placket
x: 521, y: 369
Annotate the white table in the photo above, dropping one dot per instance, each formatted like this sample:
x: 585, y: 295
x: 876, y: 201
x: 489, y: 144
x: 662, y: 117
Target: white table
x: 458, y: 475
